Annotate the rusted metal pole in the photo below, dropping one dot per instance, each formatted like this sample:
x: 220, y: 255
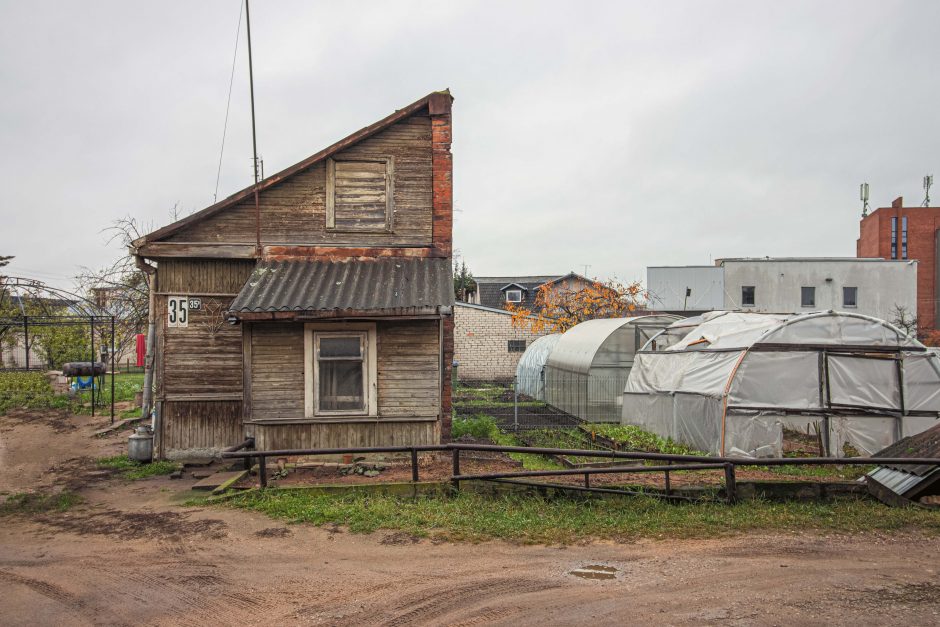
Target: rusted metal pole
x: 667, y: 484
x: 456, y: 470
x: 731, y: 486
x: 587, y: 480
x: 254, y: 137
x: 414, y: 465
x: 262, y: 472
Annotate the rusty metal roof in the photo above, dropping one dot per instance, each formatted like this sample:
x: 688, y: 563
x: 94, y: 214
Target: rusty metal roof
x: 323, y: 288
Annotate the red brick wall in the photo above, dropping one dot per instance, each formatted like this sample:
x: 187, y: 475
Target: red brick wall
x: 922, y: 224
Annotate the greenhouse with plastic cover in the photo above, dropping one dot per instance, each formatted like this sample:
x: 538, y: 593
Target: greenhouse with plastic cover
x: 588, y: 366
x: 729, y: 383
x: 530, y: 371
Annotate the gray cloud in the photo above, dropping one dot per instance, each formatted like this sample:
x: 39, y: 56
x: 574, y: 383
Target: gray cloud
x: 613, y: 134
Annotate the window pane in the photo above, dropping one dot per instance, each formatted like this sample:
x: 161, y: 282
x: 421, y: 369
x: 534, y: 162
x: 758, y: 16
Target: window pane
x: 808, y: 296
x: 340, y: 385
x: 747, y: 296
x: 340, y: 347
x: 850, y: 297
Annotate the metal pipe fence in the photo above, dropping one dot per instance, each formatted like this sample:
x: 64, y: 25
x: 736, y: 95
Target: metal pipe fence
x: 673, y: 464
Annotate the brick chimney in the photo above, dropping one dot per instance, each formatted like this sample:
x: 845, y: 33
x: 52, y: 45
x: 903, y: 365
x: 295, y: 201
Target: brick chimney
x: 897, y: 203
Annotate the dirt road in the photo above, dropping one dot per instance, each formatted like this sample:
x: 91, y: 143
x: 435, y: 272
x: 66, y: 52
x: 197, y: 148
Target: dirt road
x: 132, y: 555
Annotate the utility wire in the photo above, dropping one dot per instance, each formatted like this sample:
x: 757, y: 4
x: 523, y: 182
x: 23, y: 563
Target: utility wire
x: 228, y: 103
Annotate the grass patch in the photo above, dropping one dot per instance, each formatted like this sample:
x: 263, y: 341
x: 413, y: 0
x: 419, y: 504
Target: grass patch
x: 126, y: 386
x: 529, y: 519
x: 38, y: 503
x: 633, y: 438
x: 530, y: 461
x: 28, y: 390
x: 479, y: 426
x: 130, y: 469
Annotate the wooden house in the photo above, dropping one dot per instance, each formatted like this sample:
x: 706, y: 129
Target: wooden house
x: 314, y: 309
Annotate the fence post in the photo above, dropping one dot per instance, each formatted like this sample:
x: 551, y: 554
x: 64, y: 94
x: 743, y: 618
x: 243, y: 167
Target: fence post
x: 456, y: 470
x: 731, y: 487
x: 262, y: 471
x: 515, y: 403
x: 668, y: 486
x: 414, y: 465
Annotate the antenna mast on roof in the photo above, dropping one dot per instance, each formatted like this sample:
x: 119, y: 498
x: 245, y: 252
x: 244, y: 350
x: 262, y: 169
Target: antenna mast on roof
x: 863, y: 195
x: 928, y: 183
x: 254, y: 138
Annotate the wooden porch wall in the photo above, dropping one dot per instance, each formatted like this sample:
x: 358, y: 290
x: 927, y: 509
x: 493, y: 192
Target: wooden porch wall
x: 199, y: 367
x: 201, y: 427
x: 294, y: 211
x: 345, y: 435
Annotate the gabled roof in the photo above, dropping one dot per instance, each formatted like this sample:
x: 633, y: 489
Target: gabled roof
x: 509, y: 285
x: 437, y: 102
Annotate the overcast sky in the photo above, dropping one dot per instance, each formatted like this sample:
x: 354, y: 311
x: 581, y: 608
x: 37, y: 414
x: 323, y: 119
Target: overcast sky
x: 614, y: 134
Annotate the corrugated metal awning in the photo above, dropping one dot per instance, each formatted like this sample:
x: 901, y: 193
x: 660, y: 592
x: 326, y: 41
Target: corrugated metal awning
x: 329, y: 289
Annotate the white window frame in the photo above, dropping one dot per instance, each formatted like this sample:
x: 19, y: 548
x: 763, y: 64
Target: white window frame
x: 510, y: 300
x: 366, y: 330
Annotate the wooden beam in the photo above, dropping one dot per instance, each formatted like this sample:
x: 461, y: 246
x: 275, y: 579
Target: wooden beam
x: 200, y: 250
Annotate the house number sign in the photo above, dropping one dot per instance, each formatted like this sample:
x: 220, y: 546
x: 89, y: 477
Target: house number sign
x: 177, y: 311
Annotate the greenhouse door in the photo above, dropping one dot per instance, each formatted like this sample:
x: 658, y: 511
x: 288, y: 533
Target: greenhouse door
x: 871, y: 385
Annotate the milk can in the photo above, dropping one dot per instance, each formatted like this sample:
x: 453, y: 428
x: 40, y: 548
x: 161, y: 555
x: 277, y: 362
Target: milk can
x: 140, y: 445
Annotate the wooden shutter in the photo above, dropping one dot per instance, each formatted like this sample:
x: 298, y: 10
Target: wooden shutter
x: 359, y: 194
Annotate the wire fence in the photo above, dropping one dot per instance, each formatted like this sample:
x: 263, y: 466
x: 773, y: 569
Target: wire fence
x: 543, y: 400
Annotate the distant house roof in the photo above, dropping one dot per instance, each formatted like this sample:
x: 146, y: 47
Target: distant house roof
x: 491, y: 290
x: 323, y: 289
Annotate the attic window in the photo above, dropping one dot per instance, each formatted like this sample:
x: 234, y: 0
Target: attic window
x: 360, y: 194
x: 513, y: 296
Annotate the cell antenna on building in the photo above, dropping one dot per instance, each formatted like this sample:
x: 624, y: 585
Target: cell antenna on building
x: 863, y: 196
x: 928, y: 183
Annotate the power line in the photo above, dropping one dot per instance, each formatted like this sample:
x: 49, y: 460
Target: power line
x: 228, y: 103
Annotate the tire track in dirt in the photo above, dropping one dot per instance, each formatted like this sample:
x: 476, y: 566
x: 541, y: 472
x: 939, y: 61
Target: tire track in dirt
x: 52, y: 592
x: 442, y: 602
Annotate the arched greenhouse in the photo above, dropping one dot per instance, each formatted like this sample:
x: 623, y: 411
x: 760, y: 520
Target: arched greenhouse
x: 728, y: 383
x: 530, y: 371
x: 588, y: 367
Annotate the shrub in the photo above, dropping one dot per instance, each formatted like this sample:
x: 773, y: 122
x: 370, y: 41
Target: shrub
x: 30, y: 390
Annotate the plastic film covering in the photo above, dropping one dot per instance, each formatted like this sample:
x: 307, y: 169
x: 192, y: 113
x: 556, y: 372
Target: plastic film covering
x: 864, y: 381
x: 530, y: 372
x: 921, y: 373
x: 587, y: 368
x: 679, y: 392
x: 777, y: 380
x: 840, y: 329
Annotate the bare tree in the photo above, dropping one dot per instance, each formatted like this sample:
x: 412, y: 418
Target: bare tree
x: 903, y: 319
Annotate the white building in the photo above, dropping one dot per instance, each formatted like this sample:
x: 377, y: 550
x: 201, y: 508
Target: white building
x: 874, y: 287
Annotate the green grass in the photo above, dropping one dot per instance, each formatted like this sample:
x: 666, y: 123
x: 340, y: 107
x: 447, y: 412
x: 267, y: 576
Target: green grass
x: 28, y: 390
x: 528, y: 519
x: 126, y: 386
x: 38, y: 503
x: 480, y: 426
x: 633, y: 438
x: 530, y: 461
x: 131, y: 469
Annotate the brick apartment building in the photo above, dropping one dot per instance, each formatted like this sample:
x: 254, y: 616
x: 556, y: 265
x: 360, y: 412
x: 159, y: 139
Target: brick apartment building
x: 487, y: 347
x: 899, y: 232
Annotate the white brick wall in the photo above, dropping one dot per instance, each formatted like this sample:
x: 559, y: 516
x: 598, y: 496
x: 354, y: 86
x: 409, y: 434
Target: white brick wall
x: 481, y: 344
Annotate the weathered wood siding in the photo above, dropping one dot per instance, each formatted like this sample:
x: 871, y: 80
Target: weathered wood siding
x: 340, y: 435
x: 202, y: 276
x: 294, y: 211
x: 408, y: 388
x: 199, y: 367
x: 200, y: 427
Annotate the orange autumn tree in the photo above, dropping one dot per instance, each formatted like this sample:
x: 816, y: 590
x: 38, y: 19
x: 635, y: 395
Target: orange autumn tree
x: 558, y: 307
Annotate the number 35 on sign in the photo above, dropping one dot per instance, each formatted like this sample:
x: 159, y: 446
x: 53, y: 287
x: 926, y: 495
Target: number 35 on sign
x: 177, y: 311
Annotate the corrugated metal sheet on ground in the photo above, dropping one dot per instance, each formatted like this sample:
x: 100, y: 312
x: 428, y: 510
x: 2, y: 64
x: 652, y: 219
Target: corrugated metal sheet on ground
x: 354, y: 285
x: 924, y: 444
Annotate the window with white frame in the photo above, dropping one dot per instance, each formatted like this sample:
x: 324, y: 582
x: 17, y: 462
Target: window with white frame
x: 340, y: 370
x: 513, y: 296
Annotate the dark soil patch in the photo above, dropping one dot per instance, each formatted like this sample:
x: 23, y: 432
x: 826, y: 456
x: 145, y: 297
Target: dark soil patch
x: 400, y: 538
x: 273, y: 532
x: 170, y: 526
x: 60, y: 420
